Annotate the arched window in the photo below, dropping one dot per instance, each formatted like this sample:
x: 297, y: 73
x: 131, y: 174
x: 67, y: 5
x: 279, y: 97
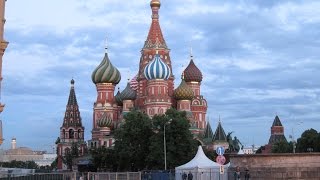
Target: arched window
x: 79, y: 133
x: 71, y: 134
x: 64, y: 133
x: 67, y: 151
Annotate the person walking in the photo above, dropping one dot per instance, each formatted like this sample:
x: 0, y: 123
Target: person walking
x: 237, y: 173
x: 184, y: 176
x: 190, y: 176
x: 247, y: 174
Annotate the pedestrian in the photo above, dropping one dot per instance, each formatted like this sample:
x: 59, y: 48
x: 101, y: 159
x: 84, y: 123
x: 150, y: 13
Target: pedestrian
x: 237, y: 173
x: 247, y: 174
x: 184, y: 176
x: 190, y: 176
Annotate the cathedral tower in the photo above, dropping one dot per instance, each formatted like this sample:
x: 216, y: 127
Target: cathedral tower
x: 193, y: 78
x: 71, y: 130
x: 154, y: 47
x: 105, y: 77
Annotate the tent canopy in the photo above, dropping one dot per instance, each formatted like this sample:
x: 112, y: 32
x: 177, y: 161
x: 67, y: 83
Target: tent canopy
x: 199, y: 161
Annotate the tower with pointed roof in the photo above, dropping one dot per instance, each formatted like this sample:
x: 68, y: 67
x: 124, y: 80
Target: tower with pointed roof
x: 155, y: 61
x: 277, y: 135
x: 71, y: 130
x: 217, y: 139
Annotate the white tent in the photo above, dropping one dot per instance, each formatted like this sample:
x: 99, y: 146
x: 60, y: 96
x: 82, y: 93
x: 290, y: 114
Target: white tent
x: 202, y: 168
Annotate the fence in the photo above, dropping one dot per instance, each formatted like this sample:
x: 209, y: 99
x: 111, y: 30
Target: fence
x: 39, y: 176
x: 311, y: 173
x: 114, y: 176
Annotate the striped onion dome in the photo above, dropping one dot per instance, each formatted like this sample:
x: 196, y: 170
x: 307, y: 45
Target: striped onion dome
x: 192, y: 73
x: 183, y: 91
x: 118, y: 98
x: 134, y: 83
x: 128, y: 93
x: 157, y: 69
x: 106, y: 72
x: 105, y: 120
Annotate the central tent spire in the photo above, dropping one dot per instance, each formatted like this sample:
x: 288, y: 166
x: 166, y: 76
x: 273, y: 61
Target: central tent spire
x: 155, y: 38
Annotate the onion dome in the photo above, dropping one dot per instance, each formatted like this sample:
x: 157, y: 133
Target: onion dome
x: 106, y: 72
x: 105, y: 120
x: 155, y: 3
x: 157, y: 69
x: 192, y: 73
x: 134, y: 83
x: 118, y: 98
x: 183, y: 91
x: 128, y: 93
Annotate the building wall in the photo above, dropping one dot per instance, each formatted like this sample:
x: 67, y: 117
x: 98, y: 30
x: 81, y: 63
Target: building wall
x: 301, y: 166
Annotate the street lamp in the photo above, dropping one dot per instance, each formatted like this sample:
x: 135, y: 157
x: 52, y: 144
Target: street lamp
x: 164, y: 144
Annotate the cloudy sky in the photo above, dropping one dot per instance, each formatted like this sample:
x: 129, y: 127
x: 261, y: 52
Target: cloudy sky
x: 259, y: 59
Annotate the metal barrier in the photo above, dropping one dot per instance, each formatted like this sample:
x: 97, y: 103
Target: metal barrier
x: 114, y: 176
x: 40, y: 176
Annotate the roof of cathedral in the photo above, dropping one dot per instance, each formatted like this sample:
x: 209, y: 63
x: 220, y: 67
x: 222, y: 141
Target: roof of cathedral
x: 72, y: 115
x: 157, y: 69
x: 276, y: 121
x: 105, y: 120
x: 208, y: 134
x: 155, y: 38
x: 118, y: 98
x: 183, y: 91
x: 106, y: 72
x: 192, y: 72
x: 72, y: 95
x: 128, y: 93
x: 219, y: 135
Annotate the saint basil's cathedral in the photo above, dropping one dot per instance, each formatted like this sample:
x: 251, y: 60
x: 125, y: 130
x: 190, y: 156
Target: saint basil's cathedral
x: 151, y: 91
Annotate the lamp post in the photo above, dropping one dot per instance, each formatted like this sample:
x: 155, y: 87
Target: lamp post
x: 164, y: 144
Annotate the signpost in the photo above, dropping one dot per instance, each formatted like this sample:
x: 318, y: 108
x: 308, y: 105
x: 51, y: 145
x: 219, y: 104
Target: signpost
x: 220, y: 151
x: 220, y: 159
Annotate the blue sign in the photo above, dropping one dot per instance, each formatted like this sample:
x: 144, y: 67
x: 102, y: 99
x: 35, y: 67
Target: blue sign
x: 220, y: 151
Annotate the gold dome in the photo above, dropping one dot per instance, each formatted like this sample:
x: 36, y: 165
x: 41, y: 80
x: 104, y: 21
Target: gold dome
x: 155, y: 3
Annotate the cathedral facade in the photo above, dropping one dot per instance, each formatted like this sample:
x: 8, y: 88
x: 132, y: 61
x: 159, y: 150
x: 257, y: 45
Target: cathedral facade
x: 151, y: 90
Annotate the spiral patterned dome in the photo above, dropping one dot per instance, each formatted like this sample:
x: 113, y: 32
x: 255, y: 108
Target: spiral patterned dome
x: 128, y: 93
x: 183, y: 91
x: 106, y: 72
x: 118, y: 98
x: 192, y: 73
x: 105, y: 120
x: 157, y: 69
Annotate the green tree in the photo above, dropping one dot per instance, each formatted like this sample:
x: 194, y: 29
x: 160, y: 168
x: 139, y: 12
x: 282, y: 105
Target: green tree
x: 104, y: 159
x: 309, y: 141
x: 132, y: 141
x: 71, y: 155
x: 180, y: 144
x: 282, y: 147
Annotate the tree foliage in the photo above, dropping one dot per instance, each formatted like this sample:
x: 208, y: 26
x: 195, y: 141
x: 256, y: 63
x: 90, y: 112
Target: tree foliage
x: 20, y: 164
x: 180, y: 145
x: 132, y: 141
x: 309, y: 141
x: 139, y: 143
x: 104, y: 159
x: 71, y: 155
x: 282, y: 147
